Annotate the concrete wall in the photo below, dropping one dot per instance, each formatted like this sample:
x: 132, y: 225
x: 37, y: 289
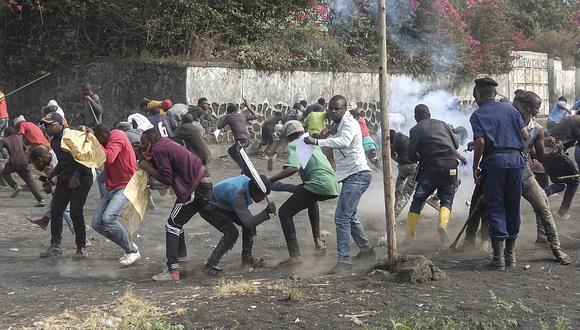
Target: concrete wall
x: 122, y: 85
x: 569, y: 84
x: 577, y: 82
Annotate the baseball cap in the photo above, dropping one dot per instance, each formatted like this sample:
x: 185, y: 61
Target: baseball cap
x: 166, y: 104
x: 52, y: 117
x: 291, y: 127
x: 19, y: 119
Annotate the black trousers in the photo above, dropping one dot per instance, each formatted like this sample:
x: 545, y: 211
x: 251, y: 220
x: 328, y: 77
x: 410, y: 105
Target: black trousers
x: 473, y: 225
x: 300, y: 200
x: 225, y: 222
x: 23, y: 172
x: 542, y: 179
x: 234, y: 152
x: 175, y: 248
x: 61, y: 197
x: 569, y: 188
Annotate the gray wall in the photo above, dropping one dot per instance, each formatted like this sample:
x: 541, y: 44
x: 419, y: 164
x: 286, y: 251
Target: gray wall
x: 121, y: 86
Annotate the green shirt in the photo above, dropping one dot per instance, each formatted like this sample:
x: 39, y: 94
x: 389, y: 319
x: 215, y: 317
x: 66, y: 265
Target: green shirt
x: 315, y: 121
x: 318, y: 176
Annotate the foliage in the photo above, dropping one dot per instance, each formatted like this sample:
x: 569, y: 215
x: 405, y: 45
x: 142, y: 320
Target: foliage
x: 459, y: 37
x: 502, y: 315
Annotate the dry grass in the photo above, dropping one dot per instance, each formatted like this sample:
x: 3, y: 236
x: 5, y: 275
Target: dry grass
x: 131, y: 312
x: 291, y: 293
x: 227, y: 288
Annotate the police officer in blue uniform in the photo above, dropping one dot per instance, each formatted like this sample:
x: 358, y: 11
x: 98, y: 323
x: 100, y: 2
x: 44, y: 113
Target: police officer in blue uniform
x: 499, y: 133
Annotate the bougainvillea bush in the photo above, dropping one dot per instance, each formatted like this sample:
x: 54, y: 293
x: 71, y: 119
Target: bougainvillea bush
x: 424, y: 36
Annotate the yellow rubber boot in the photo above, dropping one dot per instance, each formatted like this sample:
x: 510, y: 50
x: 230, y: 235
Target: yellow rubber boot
x: 412, y: 221
x: 444, y: 216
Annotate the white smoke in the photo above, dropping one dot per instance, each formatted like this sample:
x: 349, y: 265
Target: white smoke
x: 406, y: 93
x: 400, y: 18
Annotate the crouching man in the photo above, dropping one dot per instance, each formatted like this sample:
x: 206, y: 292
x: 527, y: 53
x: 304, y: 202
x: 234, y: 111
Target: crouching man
x: 173, y: 165
x: 228, y: 207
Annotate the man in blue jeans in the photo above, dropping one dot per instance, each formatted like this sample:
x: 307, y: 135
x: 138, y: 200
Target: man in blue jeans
x: 120, y: 166
x: 354, y: 173
x: 434, y: 146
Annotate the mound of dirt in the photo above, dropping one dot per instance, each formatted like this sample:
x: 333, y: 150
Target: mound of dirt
x: 412, y: 269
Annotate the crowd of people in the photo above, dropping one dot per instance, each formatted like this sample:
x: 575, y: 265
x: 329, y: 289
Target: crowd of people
x: 168, y: 142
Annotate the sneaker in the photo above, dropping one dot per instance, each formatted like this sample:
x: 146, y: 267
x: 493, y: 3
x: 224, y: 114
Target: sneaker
x: 167, y: 276
x: 563, y: 258
x: 340, y: 268
x: 366, y: 253
x: 213, y: 271
x: 51, y: 251
x: 17, y: 191
x: 565, y: 216
x: 320, y: 244
x: 81, y: 254
x: 40, y: 203
x: 131, y: 258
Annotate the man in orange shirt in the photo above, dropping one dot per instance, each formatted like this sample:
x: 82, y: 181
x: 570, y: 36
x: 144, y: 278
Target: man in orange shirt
x: 3, y: 120
x: 33, y: 135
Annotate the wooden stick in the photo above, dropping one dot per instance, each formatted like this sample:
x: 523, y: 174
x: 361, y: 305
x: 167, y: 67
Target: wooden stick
x: 476, y: 211
x: 387, y: 176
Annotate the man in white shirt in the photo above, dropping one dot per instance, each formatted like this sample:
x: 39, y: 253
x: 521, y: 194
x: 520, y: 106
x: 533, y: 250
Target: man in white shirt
x: 354, y: 173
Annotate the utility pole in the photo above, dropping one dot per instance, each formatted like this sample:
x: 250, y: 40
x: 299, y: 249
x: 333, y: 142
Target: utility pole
x: 384, y: 100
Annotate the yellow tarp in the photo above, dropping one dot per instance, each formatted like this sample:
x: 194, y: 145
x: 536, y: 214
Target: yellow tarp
x: 84, y: 147
x: 138, y: 195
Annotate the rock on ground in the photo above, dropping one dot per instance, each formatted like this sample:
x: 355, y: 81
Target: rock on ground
x: 413, y: 269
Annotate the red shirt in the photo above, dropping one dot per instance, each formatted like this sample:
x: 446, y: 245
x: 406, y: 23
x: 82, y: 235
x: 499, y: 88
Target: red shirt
x: 33, y: 134
x: 120, y: 164
x: 363, y: 127
x: 3, y: 109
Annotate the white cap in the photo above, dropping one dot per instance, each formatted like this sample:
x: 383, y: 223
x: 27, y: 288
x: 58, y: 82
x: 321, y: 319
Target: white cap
x: 19, y: 119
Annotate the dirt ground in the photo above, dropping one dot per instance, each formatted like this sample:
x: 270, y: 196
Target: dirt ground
x: 32, y: 288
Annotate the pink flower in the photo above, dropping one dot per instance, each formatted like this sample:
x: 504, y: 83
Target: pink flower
x: 576, y: 18
x: 415, y: 4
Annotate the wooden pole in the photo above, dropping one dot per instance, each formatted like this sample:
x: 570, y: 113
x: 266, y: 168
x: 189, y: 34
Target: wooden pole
x: 384, y: 100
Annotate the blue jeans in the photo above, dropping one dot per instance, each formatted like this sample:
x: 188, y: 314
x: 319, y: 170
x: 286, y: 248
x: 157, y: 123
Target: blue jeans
x: 106, y: 219
x: 431, y: 180
x: 347, y: 224
x: 101, y: 182
x: 65, y: 216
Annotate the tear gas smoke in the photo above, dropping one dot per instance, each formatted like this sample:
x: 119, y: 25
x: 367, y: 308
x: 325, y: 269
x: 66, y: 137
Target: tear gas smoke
x: 400, y: 20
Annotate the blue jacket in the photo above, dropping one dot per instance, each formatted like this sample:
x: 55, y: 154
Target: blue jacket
x: 233, y: 195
